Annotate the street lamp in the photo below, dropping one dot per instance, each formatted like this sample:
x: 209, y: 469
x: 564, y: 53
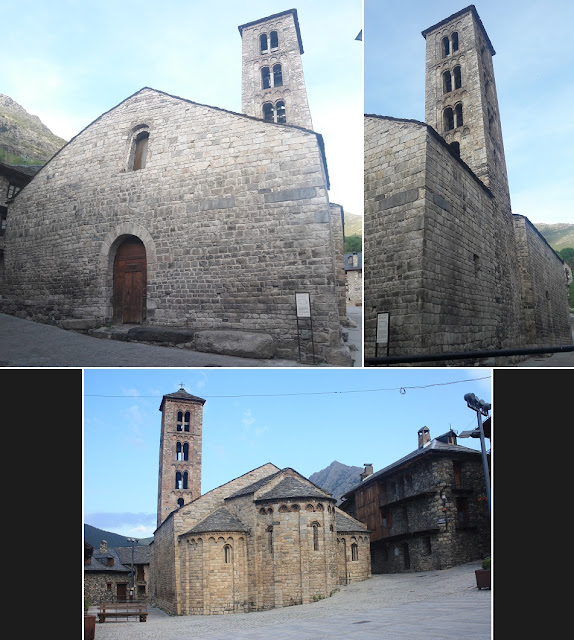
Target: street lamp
x: 482, y: 408
x: 133, y: 541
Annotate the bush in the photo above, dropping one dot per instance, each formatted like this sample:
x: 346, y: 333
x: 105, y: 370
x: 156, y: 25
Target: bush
x: 486, y: 563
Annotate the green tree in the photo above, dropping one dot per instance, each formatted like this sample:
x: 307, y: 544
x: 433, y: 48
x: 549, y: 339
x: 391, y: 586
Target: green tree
x: 353, y: 244
x: 567, y: 254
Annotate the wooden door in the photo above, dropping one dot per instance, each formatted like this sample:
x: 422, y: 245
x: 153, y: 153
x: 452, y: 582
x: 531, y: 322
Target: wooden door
x: 130, y: 280
x: 122, y: 592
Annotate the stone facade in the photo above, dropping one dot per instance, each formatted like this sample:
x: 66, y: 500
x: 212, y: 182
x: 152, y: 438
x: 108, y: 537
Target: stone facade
x: 441, y: 252
x: 170, y: 213
x: 427, y: 511
x: 354, y: 278
x: 269, y: 538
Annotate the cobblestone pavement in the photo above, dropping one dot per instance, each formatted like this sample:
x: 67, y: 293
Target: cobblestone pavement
x: 432, y: 605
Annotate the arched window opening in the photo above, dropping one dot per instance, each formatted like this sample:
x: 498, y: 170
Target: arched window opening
x: 315, y: 536
x: 227, y: 554
x: 448, y: 119
x: 263, y: 43
x: 354, y: 551
x: 455, y: 146
x: 179, y: 503
x: 140, y: 150
x: 180, y: 421
x: 458, y: 115
x: 178, y: 451
x: 281, y: 116
x: 186, y: 451
x: 445, y: 47
x: 277, y: 76
x: 457, y: 78
x: 274, y: 40
x: 185, y: 480
x: 446, y: 82
x: 454, y: 41
x: 178, y: 480
x: 186, y: 419
x: 268, y: 112
x: 270, y: 538
x: 265, y: 78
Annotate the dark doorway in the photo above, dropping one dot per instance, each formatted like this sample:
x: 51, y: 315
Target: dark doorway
x: 130, y: 280
x: 122, y: 591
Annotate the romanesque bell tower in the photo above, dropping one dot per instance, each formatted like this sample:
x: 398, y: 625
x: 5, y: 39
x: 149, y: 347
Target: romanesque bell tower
x: 461, y: 101
x: 273, y: 86
x: 179, y: 452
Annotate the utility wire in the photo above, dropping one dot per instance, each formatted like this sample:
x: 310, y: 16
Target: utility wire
x: 401, y: 390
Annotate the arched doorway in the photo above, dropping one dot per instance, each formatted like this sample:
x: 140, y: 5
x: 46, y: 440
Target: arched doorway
x: 130, y: 280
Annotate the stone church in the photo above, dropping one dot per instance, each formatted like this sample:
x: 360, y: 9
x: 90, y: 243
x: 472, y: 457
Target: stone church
x: 166, y: 212
x: 270, y: 538
x: 448, y: 267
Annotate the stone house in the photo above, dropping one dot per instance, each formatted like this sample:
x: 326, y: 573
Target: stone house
x: 108, y: 573
x: 426, y: 511
x: 354, y: 278
x: 446, y: 258
x: 270, y: 538
x: 168, y: 213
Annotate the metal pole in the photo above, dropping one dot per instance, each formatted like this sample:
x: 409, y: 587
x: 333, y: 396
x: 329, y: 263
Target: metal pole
x: 484, y: 460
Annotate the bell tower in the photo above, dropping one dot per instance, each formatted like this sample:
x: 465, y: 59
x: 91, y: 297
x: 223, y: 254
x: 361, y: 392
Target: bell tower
x: 179, y: 479
x: 272, y: 83
x: 461, y: 101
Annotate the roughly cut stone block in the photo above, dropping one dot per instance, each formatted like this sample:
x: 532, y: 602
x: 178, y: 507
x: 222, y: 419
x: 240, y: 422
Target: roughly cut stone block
x: 236, y: 343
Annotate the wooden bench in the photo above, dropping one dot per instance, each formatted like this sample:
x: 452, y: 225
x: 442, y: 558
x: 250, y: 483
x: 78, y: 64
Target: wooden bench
x: 122, y: 610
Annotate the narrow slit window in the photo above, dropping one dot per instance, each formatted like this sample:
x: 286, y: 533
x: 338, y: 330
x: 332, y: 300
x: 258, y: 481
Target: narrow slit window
x: 457, y: 78
x: 180, y: 421
x: 281, y: 117
x: 186, y: 451
x: 315, y: 537
x: 140, y: 150
x: 186, y: 419
x: 446, y: 82
x: 263, y: 43
x: 226, y: 554
x: 454, y: 41
x: 448, y: 118
x: 458, y: 115
x: 354, y: 551
x: 445, y: 47
x: 265, y: 78
x: 277, y: 76
x: 274, y: 40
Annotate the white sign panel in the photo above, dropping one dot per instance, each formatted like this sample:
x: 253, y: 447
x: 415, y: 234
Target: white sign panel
x: 383, y: 327
x: 303, y: 305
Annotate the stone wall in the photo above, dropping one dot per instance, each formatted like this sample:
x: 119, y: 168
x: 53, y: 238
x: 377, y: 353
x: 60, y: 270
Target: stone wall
x: 233, y: 213
x: 544, y: 287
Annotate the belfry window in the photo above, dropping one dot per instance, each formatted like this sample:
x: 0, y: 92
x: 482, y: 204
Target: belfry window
x: 274, y: 113
x: 280, y: 107
x: 265, y: 78
x: 180, y: 420
x: 182, y: 451
x: 273, y: 37
x: 448, y: 119
x: 447, y: 82
x: 454, y: 41
x: 457, y: 78
x: 458, y: 115
x: 179, y: 503
x: 186, y: 419
x: 445, y: 47
x: 263, y: 43
x: 277, y: 76
x: 181, y: 480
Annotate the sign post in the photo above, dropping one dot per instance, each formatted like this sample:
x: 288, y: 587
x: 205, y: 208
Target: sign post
x: 303, y: 305
x: 383, y: 322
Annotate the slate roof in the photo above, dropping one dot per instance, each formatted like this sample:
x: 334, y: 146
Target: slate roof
x: 434, y: 446
x: 141, y: 554
x: 220, y: 520
x: 98, y: 563
x: 252, y: 488
x: 182, y: 394
x: 347, y: 524
x: 290, y: 487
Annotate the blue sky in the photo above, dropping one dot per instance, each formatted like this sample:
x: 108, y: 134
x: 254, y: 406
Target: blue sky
x: 533, y: 68
x: 249, y: 421
x: 69, y: 61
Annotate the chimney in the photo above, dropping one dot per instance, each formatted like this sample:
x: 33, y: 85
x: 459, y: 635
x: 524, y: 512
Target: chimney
x: 103, y: 546
x: 368, y: 470
x: 424, y: 437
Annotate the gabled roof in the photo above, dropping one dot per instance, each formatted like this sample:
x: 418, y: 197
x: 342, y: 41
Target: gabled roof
x: 220, y: 520
x: 141, y: 554
x: 433, y: 447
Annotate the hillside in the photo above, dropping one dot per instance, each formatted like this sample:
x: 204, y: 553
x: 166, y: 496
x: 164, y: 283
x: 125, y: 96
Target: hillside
x: 93, y: 536
x: 337, y: 478
x: 24, y: 139
x: 353, y: 224
x: 559, y: 235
